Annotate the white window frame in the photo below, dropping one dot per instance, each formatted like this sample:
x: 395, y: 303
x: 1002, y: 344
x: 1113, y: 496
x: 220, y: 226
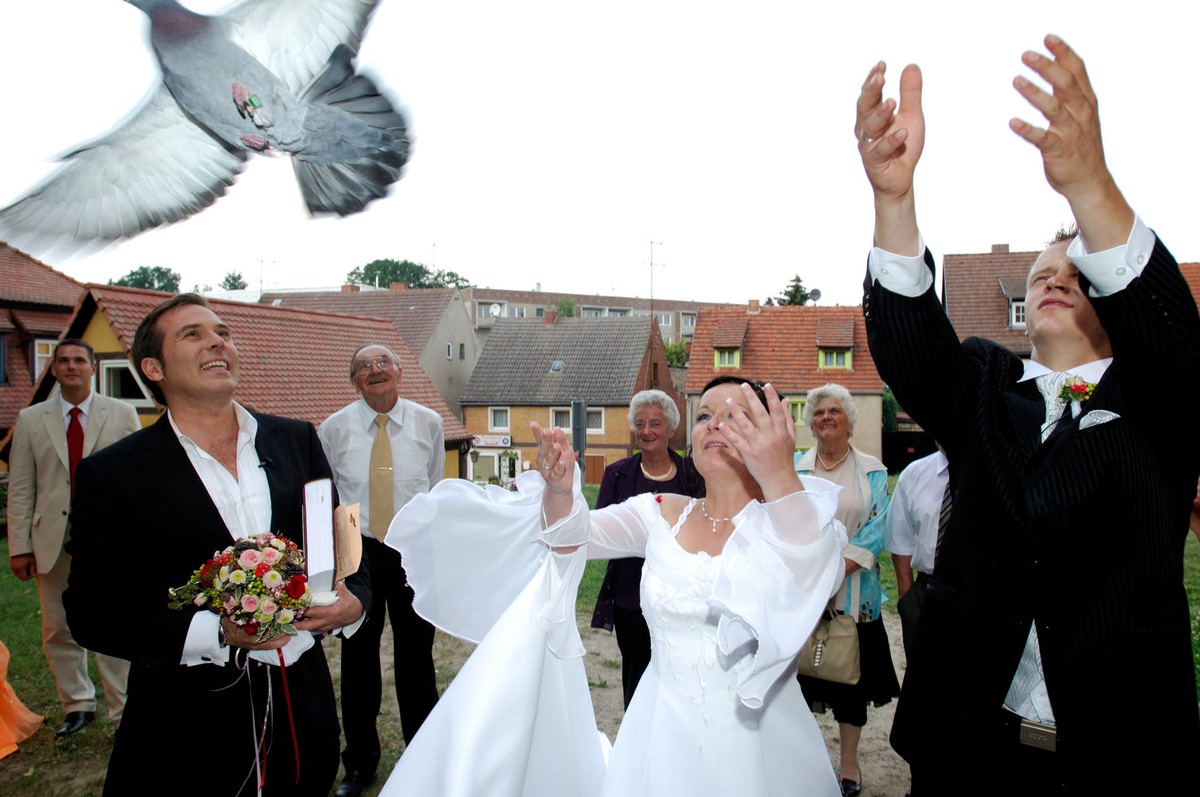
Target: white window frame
x: 555, y: 412
x: 666, y: 320
x: 1016, y: 314
x: 121, y: 364
x: 595, y: 429
x: 41, y: 358
x: 492, y: 426
x: 687, y: 320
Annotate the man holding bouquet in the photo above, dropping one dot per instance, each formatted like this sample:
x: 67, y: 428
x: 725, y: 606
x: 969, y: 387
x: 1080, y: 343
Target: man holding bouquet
x: 151, y: 510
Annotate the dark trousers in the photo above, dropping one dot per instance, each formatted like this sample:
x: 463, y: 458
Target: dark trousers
x: 909, y: 609
x: 633, y: 638
x: 362, y: 682
x: 1008, y: 766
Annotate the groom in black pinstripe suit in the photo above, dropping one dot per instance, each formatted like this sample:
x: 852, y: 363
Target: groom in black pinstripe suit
x: 1054, y: 651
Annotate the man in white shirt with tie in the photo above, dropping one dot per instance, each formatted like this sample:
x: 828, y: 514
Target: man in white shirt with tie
x: 49, y: 440
x: 384, y: 449
x: 1057, y: 602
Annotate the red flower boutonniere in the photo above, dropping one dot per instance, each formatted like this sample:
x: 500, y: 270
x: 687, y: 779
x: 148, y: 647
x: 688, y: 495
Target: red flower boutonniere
x: 1076, y: 389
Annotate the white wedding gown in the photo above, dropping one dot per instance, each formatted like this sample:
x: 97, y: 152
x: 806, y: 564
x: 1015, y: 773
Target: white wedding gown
x: 717, y: 713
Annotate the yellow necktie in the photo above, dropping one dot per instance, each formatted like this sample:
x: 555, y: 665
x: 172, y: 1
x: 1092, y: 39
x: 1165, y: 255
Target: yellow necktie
x: 381, y: 481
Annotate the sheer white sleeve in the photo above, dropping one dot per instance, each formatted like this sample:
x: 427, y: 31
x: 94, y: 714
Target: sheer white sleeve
x: 780, y: 568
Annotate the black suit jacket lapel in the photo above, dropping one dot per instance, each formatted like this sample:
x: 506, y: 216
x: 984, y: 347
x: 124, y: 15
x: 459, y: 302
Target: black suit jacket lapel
x: 169, y: 470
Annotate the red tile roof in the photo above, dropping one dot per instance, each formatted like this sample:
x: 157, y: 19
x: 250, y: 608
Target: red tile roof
x: 15, y: 395
x: 44, y: 323
x: 781, y: 344
x: 415, y: 313
x: 24, y: 280
x: 294, y: 363
x: 976, y: 291
x: 1191, y: 273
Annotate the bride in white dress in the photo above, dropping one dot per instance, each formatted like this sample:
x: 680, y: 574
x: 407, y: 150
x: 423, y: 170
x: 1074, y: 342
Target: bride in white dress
x: 733, y: 585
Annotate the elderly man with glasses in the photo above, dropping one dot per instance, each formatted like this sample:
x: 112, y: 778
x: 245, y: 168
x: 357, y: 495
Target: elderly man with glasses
x: 383, y: 450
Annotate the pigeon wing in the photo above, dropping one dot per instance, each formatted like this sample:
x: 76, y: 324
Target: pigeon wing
x: 156, y: 167
x: 295, y: 39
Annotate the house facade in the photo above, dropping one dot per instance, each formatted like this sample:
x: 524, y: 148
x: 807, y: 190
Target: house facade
x: 795, y: 349
x: 676, y: 319
x: 36, y: 303
x: 433, y: 322
x: 534, y: 369
x: 984, y: 296
x: 294, y: 363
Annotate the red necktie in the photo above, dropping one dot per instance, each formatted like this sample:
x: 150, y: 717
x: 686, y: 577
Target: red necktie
x: 74, y: 444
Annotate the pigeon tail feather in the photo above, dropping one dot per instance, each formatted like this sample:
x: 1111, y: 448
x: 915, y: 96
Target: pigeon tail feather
x: 358, y: 141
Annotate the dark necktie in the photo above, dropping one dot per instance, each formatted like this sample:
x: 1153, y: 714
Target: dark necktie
x: 943, y: 521
x: 74, y: 444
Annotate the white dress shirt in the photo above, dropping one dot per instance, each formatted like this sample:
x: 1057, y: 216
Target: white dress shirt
x: 418, y: 455
x: 915, y: 511
x: 244, y: 504
x: 85, y: 407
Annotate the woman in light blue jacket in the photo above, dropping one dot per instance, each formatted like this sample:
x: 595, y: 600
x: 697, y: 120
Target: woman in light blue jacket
x: 831, y: 414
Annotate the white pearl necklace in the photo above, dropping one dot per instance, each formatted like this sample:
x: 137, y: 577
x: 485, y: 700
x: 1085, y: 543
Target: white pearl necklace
x: 715, y: 520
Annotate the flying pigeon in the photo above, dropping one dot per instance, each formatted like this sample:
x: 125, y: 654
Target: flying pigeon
x: 267, y: 76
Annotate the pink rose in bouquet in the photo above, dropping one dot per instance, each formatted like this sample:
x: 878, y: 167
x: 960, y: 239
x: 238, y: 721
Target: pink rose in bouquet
x: 258, y: 583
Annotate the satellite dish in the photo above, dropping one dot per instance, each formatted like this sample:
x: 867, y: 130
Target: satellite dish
x: 494, y: 310
x: 814, y: 295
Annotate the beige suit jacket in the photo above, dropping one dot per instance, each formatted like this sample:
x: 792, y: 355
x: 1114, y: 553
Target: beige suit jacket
x: 39, y: 482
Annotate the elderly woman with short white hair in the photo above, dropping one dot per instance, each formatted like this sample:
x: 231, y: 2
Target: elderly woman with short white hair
x: 831, y: 414
x: 653, y: 418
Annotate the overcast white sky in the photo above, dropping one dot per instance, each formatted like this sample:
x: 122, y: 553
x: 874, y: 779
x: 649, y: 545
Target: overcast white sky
x: 555, y: 139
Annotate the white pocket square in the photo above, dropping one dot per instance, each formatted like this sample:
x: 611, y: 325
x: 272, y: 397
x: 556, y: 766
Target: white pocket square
x: 1097, y: 417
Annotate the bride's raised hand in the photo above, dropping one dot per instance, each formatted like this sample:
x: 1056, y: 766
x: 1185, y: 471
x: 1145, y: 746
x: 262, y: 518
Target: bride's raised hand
x: 766, y: 440
x: 555, y: 458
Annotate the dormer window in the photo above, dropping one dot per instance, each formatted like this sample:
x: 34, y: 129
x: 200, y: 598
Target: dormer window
x: 1016, y: 314
x: 838, y: 359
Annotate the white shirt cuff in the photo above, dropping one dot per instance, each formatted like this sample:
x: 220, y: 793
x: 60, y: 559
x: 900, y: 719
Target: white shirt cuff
x: 906, y: 276
x: 203, y: 645
x: 1113, y: 269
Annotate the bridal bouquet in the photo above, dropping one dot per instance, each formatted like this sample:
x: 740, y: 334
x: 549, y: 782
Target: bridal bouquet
x: 258, y: 583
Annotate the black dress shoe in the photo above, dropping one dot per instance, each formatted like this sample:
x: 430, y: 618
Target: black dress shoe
x: 355, y: 784
x: 850, y: 788
x: 74, y: 723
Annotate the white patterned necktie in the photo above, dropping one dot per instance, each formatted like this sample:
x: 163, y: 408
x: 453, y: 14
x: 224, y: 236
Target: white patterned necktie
x: 1051, y: 386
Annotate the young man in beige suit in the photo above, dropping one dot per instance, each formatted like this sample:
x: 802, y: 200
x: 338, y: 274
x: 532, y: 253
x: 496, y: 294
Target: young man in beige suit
x: 39, y: 497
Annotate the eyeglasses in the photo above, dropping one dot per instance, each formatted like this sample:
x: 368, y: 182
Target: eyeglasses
x: 382, y: 363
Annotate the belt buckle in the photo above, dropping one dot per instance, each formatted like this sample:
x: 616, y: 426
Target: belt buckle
x: 1035, y: 734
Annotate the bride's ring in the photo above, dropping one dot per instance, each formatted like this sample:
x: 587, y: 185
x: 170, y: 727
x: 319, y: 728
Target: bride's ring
x: 545, y: 466
x: 863, y: 137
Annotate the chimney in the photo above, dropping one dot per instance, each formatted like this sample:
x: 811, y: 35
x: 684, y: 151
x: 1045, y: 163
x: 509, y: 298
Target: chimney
x: 752, y: 308
x: 551, y: 316
x: 398, y: 286
x: 999, y: 249
x: 350, y: 289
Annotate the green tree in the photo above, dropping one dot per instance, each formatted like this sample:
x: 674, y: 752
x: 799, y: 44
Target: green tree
x: 676, y: 353
x: 387, y: 271
x: 565, y: 307
x: 891, y: 408
x: 416, y: 275
x: 233, y: 282
x: 154, y: 278
x: 449, y: 279
x: 794, y: 294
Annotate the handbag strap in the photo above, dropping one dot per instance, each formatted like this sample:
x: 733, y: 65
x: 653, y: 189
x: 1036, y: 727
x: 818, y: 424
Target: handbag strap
x: 855, y: 597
